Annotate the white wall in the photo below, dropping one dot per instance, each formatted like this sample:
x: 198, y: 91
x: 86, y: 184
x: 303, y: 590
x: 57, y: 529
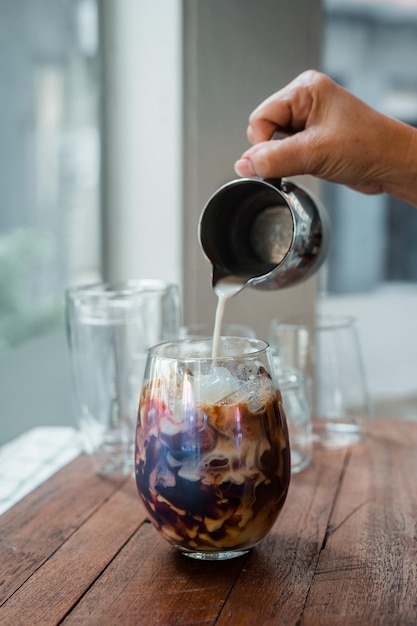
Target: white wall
x: 141, y: 124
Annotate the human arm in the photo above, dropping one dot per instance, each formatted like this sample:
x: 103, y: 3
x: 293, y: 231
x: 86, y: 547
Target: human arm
x: 331, y: 134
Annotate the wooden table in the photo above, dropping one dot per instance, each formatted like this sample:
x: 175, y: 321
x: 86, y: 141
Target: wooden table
x: 79, y: 550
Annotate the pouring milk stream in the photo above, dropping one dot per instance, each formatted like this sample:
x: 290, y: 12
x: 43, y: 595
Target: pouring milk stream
x: 224, y: 290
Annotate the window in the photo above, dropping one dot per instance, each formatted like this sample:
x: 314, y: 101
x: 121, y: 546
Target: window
x: 371, y: 269
x: 49, y: 153
x: 49, y: 181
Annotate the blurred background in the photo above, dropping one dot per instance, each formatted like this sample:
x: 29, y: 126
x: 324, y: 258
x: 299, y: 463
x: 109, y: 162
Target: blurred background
x: 119, y: 119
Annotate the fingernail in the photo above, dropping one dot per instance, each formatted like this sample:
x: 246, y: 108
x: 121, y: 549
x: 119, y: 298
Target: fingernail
x: 244, y: 167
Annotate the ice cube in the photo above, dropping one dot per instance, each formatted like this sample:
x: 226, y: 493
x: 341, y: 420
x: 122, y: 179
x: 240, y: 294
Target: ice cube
x: 254, y: 391
x: 252, y: 371
x: 215, y: 385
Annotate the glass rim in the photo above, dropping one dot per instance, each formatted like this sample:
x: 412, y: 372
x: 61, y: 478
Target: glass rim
x: 317, y: 321
x: 289, y: 376
x: 112, y: 291
x: 157, y: 350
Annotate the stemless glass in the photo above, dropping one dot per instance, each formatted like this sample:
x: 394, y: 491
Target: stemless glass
x: 212, y: 452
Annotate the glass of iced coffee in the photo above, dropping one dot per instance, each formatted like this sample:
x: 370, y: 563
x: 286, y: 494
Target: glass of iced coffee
x: 212, y: 452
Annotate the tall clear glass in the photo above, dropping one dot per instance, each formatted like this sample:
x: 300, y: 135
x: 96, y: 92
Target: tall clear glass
x: 297, y: 411
x: 327, y: 351
x: 212, y: 452
x: 110, y: 328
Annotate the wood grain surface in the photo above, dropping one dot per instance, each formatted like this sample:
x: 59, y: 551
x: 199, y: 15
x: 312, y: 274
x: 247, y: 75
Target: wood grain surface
x: 79, y: 550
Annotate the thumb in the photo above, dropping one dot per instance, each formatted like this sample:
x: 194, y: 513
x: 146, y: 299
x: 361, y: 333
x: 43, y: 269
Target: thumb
x: 275, y: 158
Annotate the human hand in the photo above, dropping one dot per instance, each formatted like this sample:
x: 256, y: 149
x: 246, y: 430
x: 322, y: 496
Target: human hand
x: 330, y: 134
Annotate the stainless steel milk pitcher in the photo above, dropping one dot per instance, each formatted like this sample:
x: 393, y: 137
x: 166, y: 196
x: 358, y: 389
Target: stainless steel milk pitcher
x: 265, y: 233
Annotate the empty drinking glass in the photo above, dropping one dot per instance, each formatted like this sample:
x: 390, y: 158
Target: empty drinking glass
x: 297, y: 412
x: 110, y: 328
x: 326, y: 350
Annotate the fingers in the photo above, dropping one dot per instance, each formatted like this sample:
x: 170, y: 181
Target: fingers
x: 286, y: 111
x: 324, y: 127
x: 260, y: 130
x: 273, y: 115
x: 332, y: 135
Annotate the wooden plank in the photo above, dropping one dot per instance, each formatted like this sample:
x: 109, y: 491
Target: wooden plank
x: 159, y: 586
x: 274, y: 583
x: 32, y: 530
x: 367, y: 572
x: 150, y: 582
x: 344, y: 551
x: 55, y: 587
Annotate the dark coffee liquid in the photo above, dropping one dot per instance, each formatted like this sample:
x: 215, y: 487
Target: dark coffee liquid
x: 217, y: 479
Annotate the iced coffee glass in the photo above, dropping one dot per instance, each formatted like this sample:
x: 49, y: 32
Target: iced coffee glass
x: 212, y: 452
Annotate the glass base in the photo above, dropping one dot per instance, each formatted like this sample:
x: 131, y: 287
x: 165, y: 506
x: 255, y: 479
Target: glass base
x: 336, y: 435
x: 111, y: 456
x: 115, y: 468
x: 299, y: 460
x: 113, y: 465
x: 215, y: 556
